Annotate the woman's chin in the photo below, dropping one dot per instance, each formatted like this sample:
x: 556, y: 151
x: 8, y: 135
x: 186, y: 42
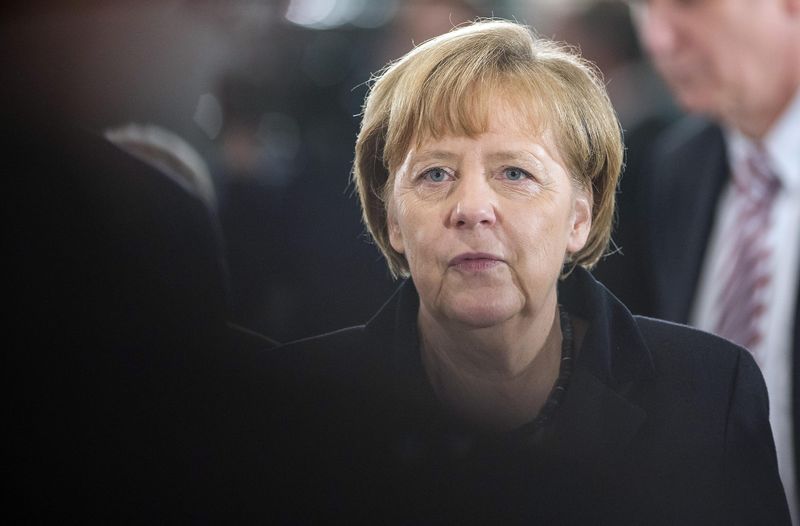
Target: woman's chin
x: 482, y: 311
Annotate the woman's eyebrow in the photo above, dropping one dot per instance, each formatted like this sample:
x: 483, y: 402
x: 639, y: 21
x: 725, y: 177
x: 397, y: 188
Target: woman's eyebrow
x: 507, y: 156
x: 443, y: 155
x: 433, y: 155
x: 512, y: 155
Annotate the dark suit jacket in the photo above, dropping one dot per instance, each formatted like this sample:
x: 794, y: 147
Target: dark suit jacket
x: 665, y: 223
x: 660, y: 424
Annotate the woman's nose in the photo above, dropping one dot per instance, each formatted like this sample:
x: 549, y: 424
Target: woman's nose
x: 474, y: 204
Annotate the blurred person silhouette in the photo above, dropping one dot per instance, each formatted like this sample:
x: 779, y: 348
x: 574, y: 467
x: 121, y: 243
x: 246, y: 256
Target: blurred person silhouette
x: 714, y: 239
x: 170, y: 153
x: 604, y: 32
x: 117, y: 347
x: 119, y: 342
x: 173, y: 156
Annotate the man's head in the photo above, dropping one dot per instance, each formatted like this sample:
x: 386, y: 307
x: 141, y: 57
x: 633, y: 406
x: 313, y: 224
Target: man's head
x: 735, y: 60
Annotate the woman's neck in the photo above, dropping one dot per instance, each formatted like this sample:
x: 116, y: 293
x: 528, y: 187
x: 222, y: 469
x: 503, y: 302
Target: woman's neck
x: 497, y: 378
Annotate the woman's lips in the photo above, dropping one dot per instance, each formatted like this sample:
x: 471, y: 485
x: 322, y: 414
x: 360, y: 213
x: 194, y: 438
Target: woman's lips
x: 475, y: 261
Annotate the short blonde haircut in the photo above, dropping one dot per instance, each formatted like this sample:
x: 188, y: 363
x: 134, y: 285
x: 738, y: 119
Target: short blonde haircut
x: 446, y: 86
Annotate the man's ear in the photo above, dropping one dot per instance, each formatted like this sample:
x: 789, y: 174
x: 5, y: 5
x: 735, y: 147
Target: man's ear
x: 581, y: 223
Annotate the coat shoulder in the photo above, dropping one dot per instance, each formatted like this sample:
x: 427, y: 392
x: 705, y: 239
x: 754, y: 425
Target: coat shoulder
x: 677, y: 337
x: 685, y: 346
x: 703, y: 362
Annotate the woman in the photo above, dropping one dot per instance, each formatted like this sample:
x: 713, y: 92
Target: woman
x: 501, y: 381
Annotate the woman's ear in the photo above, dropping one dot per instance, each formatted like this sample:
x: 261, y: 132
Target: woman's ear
x: 395, y: 235
x: 581, y: 221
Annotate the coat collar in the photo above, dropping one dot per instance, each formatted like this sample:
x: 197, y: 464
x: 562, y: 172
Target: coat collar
x: 597, y: 417
x: 599, y: 414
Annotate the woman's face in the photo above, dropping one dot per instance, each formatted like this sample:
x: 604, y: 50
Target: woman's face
x: 485, y: 222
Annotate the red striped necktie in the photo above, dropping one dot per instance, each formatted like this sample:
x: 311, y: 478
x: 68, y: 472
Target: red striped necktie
x: 747, y: 277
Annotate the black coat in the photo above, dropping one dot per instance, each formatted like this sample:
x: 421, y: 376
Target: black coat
x: 661, y: 424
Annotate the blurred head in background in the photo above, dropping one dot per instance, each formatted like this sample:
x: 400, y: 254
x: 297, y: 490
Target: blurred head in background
x: 736, y: 60
x: 604, y: 32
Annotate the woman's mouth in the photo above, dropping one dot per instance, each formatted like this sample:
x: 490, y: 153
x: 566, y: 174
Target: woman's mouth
x: 475, y: 262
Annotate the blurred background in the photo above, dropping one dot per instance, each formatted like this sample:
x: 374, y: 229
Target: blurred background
x: 267, y: 94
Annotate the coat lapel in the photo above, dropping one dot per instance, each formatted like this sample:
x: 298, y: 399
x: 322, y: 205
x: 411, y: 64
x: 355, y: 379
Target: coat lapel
x: 595, y: 423
x: 687, y: 181
x: 597, y: 419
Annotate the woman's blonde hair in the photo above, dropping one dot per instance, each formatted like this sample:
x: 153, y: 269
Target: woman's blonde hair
x: 446, y: 86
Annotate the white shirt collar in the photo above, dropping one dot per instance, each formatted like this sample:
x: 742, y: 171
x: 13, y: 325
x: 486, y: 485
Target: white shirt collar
x: 782, y: 143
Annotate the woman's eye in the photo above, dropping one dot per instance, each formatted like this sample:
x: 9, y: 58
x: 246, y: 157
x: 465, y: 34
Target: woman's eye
x: 515, y: 174
x: 436, y: 175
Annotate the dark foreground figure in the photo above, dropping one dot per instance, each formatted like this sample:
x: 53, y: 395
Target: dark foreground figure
x: 117, y: 338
